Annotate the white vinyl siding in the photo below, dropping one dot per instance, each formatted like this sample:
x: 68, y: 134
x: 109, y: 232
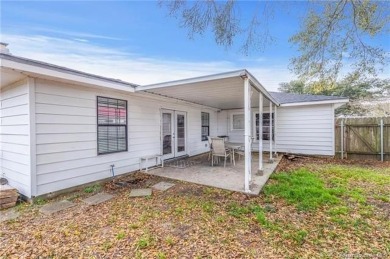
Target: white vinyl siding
x: 67, y: 134
x: 15, y: 136
x: 306, y: 129
x: 299, y: 129
x: 222, y: 123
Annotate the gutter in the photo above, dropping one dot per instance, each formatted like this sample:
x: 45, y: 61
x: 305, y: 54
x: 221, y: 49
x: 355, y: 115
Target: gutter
x: 25, y: 65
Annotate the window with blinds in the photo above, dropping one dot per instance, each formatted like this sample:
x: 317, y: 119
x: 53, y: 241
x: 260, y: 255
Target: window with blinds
x: 111, y: 125
x: 205, y: 125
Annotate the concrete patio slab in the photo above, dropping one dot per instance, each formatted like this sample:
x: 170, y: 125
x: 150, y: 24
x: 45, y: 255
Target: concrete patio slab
x: 98, y: 198
x: 140, y: 192
x: 163, y: 186
x: 56, y: 207
x: 9, y: 214
x: 229, y: 178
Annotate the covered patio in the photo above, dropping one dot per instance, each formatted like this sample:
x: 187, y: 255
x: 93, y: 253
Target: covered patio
x: 229, y: 93
x: 198, y: 170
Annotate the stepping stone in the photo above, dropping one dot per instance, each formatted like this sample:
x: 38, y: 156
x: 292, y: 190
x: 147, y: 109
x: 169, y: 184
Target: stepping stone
x: 163, y: 186
x: 56, y: 206
x: 140, y: 192
x: 98, y: 198
x: 6, y: 215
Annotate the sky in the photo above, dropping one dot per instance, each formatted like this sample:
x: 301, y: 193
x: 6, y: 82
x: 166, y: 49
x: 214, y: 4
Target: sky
x: 138, y: 42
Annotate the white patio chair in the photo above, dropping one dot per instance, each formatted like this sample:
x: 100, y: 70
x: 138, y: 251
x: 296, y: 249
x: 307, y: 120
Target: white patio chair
x: 219, y: 150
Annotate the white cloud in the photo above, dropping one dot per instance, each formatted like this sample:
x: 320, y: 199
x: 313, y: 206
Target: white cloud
x: 114, y: 63
x: 72, y: 33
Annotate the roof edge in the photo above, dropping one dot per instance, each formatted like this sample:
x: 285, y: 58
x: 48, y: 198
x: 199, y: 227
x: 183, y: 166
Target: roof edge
x: 56, y: 68
x: 330, y: 101
x: 236, y: 73
x: 191, y: 80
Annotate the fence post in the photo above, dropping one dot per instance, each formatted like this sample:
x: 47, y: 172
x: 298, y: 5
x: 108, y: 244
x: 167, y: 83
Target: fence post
x: 342, y: 138
x: 381, y: 125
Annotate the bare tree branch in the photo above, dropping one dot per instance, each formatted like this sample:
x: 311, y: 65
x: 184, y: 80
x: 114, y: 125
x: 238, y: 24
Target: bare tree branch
x: 333, y: 36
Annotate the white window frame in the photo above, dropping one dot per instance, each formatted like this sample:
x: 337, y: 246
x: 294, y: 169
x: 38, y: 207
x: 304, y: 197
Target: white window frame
x: 232, y: 123
x: 254, y: 132
x: 113, y: 124
x: 201, y: 125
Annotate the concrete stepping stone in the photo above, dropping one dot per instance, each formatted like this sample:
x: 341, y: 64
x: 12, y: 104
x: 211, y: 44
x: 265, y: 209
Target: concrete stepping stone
x: 141, y: 192
x: 10, y: 214
x: 98, y: 198
x: 56, y: 206
x: 163, y: 186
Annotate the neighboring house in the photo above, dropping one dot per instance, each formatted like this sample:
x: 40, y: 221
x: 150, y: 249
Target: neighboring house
x: 61, y: 128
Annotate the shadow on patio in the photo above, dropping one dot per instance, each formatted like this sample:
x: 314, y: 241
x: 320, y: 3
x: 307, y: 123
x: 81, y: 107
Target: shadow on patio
x: 199, y: 170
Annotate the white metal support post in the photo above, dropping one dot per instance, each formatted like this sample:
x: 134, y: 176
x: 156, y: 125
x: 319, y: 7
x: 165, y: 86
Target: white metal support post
x: 260, y: 171
x: 275, y: 129
x: 248, y: 148
x: 271, y: 160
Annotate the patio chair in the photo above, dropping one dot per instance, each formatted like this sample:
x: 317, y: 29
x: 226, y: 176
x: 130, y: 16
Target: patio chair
x: 211, y: 147
x: 219, y: 150
x: 240, y: 152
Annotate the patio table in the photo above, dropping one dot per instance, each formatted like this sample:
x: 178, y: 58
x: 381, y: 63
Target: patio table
x: 234, y: 146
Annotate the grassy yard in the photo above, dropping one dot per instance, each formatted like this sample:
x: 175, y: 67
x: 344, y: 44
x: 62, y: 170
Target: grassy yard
x: 314, y: 208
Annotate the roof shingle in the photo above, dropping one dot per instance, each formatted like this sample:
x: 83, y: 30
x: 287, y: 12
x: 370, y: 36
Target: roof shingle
x: 298, y: 98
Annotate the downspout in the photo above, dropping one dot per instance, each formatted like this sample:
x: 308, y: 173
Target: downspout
x: 112, y: 170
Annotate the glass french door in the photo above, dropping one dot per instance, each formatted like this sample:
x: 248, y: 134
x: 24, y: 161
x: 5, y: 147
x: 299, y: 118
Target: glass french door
x: 174, y: 133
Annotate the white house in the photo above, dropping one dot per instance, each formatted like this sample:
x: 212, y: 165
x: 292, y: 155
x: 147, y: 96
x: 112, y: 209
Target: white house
x: 61, y: 128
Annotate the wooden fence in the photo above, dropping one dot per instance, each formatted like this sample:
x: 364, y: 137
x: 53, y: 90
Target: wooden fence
x: 363, y: 138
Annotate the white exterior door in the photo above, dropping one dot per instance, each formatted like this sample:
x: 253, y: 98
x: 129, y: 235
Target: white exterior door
x: 173, y: 133
x: 180, y: 134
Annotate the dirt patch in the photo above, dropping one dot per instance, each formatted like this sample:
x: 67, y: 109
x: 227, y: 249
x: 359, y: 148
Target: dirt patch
x: 190, y: 190
x: 132, y: 181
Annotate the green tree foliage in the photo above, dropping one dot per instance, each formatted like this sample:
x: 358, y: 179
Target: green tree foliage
x: 295, y: 86
x: 334, y: 36
x: 339, y: 33
x: 352, y: 87
x: 223, y: 19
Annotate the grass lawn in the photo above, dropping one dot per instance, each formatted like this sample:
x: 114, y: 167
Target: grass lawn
x: 311, y: 208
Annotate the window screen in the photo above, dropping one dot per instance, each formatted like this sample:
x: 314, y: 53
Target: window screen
x: 111, y: 125
x: 205, y: 125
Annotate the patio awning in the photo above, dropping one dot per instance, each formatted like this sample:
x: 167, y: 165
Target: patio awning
x: 231, y: 90
x: 221, y: 91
